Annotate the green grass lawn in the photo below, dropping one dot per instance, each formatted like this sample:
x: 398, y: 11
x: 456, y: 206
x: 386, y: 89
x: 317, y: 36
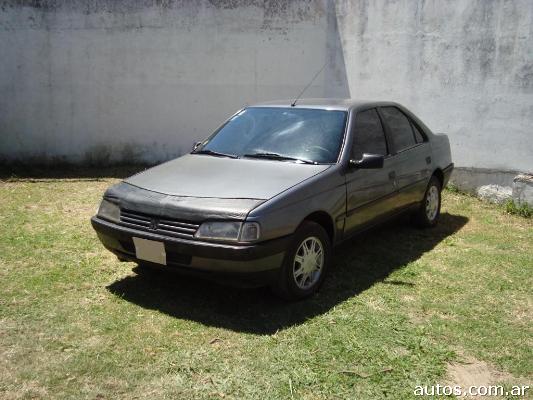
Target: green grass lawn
x: 399, y: 306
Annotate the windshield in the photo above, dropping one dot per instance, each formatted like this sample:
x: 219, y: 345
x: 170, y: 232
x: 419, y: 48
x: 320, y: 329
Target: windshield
x: 308, y: 135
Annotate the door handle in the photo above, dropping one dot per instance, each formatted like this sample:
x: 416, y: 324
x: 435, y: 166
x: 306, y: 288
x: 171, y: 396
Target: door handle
x: 392, y: 175
x: 428, y: 160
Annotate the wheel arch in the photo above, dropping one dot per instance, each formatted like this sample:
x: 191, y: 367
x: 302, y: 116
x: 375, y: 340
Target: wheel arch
x: 323, y: 219
x: 440, y: 176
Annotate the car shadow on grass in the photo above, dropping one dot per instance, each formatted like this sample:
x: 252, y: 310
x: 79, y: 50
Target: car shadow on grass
x: 359, y: 263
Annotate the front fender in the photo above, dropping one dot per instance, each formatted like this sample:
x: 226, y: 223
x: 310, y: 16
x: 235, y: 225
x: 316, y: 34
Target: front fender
x: 281, y: 215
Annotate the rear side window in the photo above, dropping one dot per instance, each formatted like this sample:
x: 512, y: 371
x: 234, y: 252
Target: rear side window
x: 400, y: 128
x: 369, y: 136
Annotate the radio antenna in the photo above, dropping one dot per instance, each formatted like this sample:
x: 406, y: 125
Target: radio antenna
x: 309, y: 84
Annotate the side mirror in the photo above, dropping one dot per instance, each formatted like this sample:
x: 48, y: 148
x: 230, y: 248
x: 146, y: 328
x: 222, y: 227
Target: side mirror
x: 196, y: 145
x: 369, y: 161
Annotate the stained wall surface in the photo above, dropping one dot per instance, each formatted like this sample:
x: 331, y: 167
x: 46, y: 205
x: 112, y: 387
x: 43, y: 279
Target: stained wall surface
x: 101, y: 81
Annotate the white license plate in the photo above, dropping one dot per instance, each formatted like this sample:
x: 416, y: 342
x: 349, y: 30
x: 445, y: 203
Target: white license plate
x: 150, y: 250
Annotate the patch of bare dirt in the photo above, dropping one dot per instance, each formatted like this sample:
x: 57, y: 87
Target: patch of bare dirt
x: 472, y: 372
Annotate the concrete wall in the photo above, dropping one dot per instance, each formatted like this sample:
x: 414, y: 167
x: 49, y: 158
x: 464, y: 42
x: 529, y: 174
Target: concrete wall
x: 104, y: 81
x: 465, y: 67
x: 96, y: 81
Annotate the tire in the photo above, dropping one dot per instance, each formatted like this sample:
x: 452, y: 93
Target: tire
x: 300, y: 276
x: 428, y: 213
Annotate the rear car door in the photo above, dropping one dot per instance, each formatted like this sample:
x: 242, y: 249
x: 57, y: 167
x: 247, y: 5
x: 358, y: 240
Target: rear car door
x: 411, y: 156
x: 369, y: 191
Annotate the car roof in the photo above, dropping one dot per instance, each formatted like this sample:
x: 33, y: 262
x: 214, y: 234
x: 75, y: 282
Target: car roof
x: 326, y: 104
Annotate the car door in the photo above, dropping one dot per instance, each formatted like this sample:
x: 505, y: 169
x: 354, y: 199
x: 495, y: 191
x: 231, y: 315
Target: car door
x: 369, y: 192
x: 411, y: 156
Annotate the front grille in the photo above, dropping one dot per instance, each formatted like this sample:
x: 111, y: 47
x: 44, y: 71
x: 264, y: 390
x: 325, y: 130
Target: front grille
x: 161, y: 225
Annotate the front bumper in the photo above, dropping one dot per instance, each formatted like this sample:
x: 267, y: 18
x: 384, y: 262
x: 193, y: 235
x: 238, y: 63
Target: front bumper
x: 194, y: 256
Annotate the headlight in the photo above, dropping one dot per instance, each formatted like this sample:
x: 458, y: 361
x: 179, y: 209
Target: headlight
x: 229, y: 231
x: 109, y: 211
x: 219, y: 230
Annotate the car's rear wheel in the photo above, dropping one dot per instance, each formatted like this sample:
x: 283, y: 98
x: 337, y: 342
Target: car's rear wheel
x: 306, y: 263
x: 428, y: 213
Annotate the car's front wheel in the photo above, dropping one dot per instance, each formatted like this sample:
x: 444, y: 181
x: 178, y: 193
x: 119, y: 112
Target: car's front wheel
x: 428, y: 213
x: 306, y: 262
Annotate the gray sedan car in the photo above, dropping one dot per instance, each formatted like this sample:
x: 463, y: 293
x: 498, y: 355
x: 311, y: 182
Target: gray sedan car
x: 271, y: 192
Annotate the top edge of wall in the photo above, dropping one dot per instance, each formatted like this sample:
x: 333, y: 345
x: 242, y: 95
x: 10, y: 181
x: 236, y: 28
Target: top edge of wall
x: 272, y: 8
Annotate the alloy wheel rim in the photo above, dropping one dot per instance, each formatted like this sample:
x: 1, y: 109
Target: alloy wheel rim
x: 432, y: 203
x: 308, y: 263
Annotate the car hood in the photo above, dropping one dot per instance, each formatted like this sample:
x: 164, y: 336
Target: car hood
x: 184, y: 208
x: 196, y: 175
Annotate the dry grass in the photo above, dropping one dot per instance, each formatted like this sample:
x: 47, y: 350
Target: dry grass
x: 399, y: 306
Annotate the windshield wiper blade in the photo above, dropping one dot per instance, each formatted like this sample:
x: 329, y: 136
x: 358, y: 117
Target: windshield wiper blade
x: 276, y: 156
x: 215, y: 153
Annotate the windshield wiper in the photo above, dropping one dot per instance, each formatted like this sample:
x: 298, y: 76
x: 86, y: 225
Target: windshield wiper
x: 215, y: 153
x: 276, y: 156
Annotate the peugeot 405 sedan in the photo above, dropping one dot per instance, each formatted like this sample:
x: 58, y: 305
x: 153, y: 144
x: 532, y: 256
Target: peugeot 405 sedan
x: 272, y: 191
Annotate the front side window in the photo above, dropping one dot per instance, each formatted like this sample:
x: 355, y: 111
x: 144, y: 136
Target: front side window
x: 400, y: 128
x: 419, y: 138
x: 311, y: 135
x: 368, y: 135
